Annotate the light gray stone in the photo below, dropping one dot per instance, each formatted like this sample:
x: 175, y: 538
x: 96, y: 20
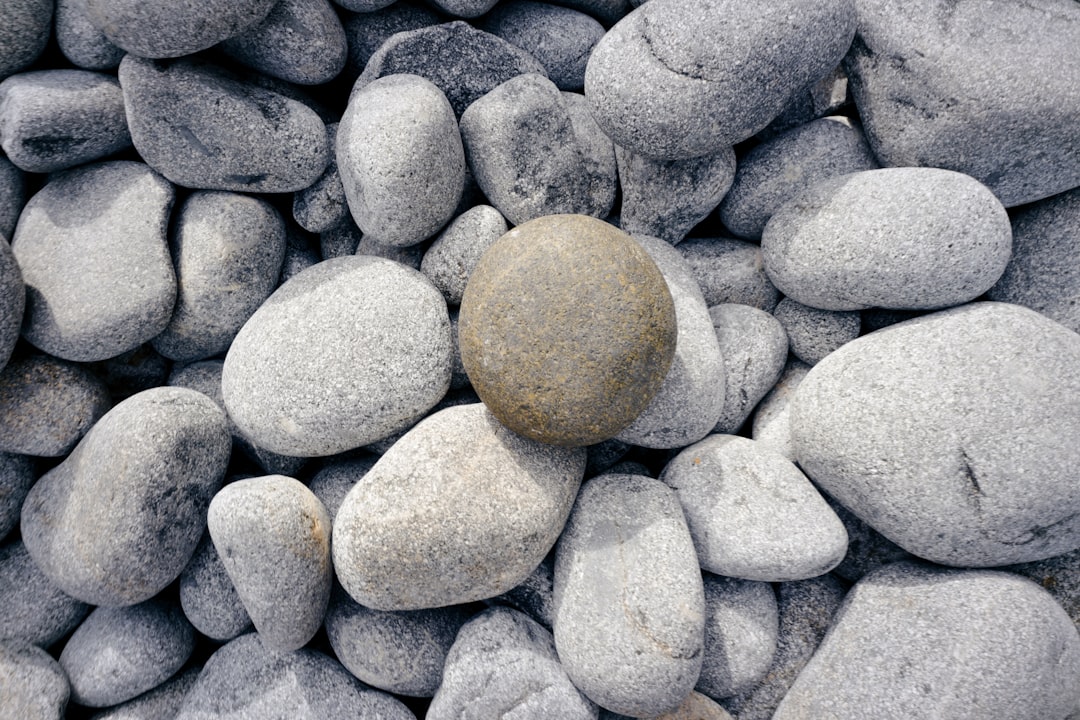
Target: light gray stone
x: 16, y: 476
x: 772, y: 419
x: 454, y: 254
x: 12, y: 197
x: 369, y: 28
x: 32, y: 608
x: 334, y: 481
x: 25, y: 27
x: 813, y: 333
x: 730, y: 271
x: 407, y: 256
x: 322, y: 205
x: 754, y: 347
x: 209, y: 598
x: 32, y: 684
x: 81, y: 41
x: 742, y: 622
x: 453, y: 398
x: 161, y: 703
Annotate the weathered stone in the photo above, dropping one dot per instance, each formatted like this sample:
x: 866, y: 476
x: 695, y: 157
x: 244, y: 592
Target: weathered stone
x: 81, y: 41
x: 742, y: 623
x: 730, y: 271
x: 209, y: 598
x: 812, y: 333
x: 25, y: 26
x: 454, y: 254
x: 376, y: 23
x: 32, y: 608
x: 754, y: 348
x: 16, y: 476
x: 32, y: 684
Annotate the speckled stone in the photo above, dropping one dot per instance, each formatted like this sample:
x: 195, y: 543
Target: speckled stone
x: 132, y: 372
x: 772, y: 419
x: 343, y: 239
x: 464, y: 8
x: 209, y: 598
x: 300, y: 254
x: 81, y: 41
x: 754, y: 347
x: 12, y: 199
x: 521, y: 329
x: 742, y: 623
x: 695, y: 707
x: 369, y: 28
x: 32, y: 684
x: 456, y: 251
x: 25, y: 26
x: 608, y: 12
x: 16, y: 476
x: 535, y: 596
x: 164, y: 701
x: 322, y: 205
x: 32, y: 608
x: 812, y: 334
x: 12, y: 301
x: 334, y: 481
x: 730, y: 271
x: 407, y: 256
x: 1059, y: 576
x: 867, y: 548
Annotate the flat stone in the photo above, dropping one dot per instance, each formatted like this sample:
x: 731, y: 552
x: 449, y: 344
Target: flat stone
x: 16, y: 476
x: 12, y: 197
x: 32, y: 608
x: 164, y: 701
x: 742, y: 623
x: 521, y: 324
x: 772, y: 418
x: 25, y: 26
x: 322, y: 205
x: 754, y: 347
x: 457, y: 250
x: 336, y: 478
x: 812, y: 333
x: 81, y: 41
x: 369, y: 28
x: 32, y: 684
x: 209, y: 598
x: 730, y: 271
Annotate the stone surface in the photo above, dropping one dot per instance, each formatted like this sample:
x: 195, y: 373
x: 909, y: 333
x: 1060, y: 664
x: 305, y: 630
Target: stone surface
x: 209, y: 598
x: 32, y: 684
x: 369, y: 28
x: 343, y: 239
x: 12, y: 301
x: 12, y: 197
x: 164, y: 701
x: 118, y: 520
x: 772, y: 419
x: 88, y: 305
x: 336, y: 478
x: 567, y: 329
x: 25, y: 27
x: 459, y: 509
x: 754, y: 347
x: 968, y: 414
x: 730, y: 271
x: 742, y: 622
x: 32, y: 608
x: 132, y: 372
x: 464, y: 8
x: 322, y: 205
x: 16, y: 476
x: 695, y: 707
x: 81, y: 41
x: 629, y: 599
x: 1059, y: 576
x: 535, y: 596
x: 867, y: 548
x: 812, y: 334
x: 457, y: 250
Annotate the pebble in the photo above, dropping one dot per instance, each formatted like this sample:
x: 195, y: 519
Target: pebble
x: 12, y: 301
x: 742, y: 623
x: 336, y: 478
x: 322, y: 205
x: 343, y: 239
x: 695, y: 707
x: 867, y: 548
x: 812, y: 333
x: 16, y: 476
x: 730, y: 271
x: 25, y: 26
x: 131, y: 372
x: 629, y: 599
x: 772, y: 418
x: 12, y: 197
x: 87, y: 306
x: 754, y: 347
x: 141, y: 479
x: 453, y: 256
x: 464, y: 8
x: 163, y: 702
x: 826, y: 97
x: 209, y: 598
x: 299, y: 254
x: 407, y: 256
x: 119, y: 653
x: 501, y: 501
x: 32, y: 608
x: 535, y: 596
x: 81, y: 41
x: 369, y: 28
x: 32, y: 684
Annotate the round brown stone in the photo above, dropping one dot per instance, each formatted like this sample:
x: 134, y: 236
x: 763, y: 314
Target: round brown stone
x: 567, y: 329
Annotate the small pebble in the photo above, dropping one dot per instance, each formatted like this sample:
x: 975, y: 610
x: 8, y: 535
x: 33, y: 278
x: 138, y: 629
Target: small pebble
x: 16, y: 476
x: 209, y: 598
x: 754, y: 348
x: 730, y: 271
x: 32, y: 684
x: 81, y: 41
x: 535, y: 596
x: 25, y: 27
x: 369, y: 28
x: 772, y: 419
x: 32, y: 608
x: 453, y: 256
x: 336, y: 478
x: 742, y: 622
x: 344, y: 239
x: 322, y: 205
x: 812, y: 333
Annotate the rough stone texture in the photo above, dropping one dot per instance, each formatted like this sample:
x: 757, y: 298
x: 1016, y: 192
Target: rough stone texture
x: 209, y: 598
x: 730, y: 271
x: 984, y: 88
x: 81, y: 41
x: 867, y: 548
x: 894, y: 647
x: 459, y: 509
x: 400, y: 652
x: 742, y: 623
x: 16, y: 476
x: 47, y: 405
x: 1044, y: 271
x: 691, y: 397
x: 401, y: 160
x: 407, y: 256
x: 163, y: 702
x: 345, y: 353
x: 503, y: 664
x: 12, y: 199
x: 629, y: 599
x: 608, y: 12
x: 299, y: 253
x: 118, y: 520
x: 812, y: 334
x: 368, y: 30
x: 948, y: 434
x: 32, y: 684
x: 1059, y: 576
x: 661, y: 82
x: 465, y: 8
x: 32, y: 608
x: 695, y: 707
x: 12, y: 301
x: 567, y: 329
x: 779, y: 169
x: 322, y: 205
x: 828, y: 96
x: 25, y: 26
x: 772, y: 420
x: 455, y: 253
x: 203, y: 127
x: 334, y: 481
x: 119, y: 653
x: 132, y: 372
x: 535, y: 151
x: 364, y: 7
x: 535, y: 596
x: 92, y: 250
x: 754, y: 347
x: 344, y: 238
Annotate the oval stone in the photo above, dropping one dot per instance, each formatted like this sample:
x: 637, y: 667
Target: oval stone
x: 32, y: 684
x: 32, y: 608
x: 209, y: 598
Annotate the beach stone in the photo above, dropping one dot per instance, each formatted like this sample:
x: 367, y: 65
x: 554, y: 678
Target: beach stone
x: 401, y: 160
x: 867, y: 548
x: 32, y: 684
x: 976, y: 481
x: 209, y: 598
x: 1059, y: 576
x: 730, y: 271
x: 299, y: 253
x: 164, y: 701
x: 520, y: 329
x: 12, y: 301
x: 25, y: 27
x: 334, y: 481
x: 457, y: 250
x: 141, y: 479
x: 369, y: 28
x: 661, y: 82
x: 608, y: 12
x: 667, y: 198
x: 691, y: 398
x: 695, y: 707
x: 80, y: 40
x: 464, y: 8
x: 629, y: 599
x: 780, y: 168
x: 346, y: 353
x: 132, y: 372
x: 119, y: 653
x: 772, y: 419
x: 604, y: 455
x: 812, y: 333
x: 512, y: 492
x: 535, y: 596
x: 953, y: 86
x: 532, y: 153
x: 742, y: 623
x: 47, y: 405
x: 451, y: 399
x: 16, y: 477
x: 322, y: 205
x: 343, y: 239
x: 909, y: 238
x: 407, y: 256
x: 503, y: 664
x: 32, y: 608
x: 205, y: 128
x: 754, y: 347
x: 1042, y: 273
x: 826, y: 97
x: 92, y: 250
x: 12, y: 197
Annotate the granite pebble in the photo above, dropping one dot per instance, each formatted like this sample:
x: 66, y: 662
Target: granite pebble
x: 32, y: 683
x: 161, y: 703
x: 458, y: 248
x: 742, y: 623
x: 208, y: 596
x: 32, y: 608
x: 754, y: 347
x: 81, y: 41
x: 730, y: 271
x: 813, y: 333
x: 322, y: 205
x: 12, y: 197
x: 343, y: 239
x: 25, y: 27
x: 535, y: 596
x: 12, y: 301
x: 369, y: 28
x: 772, y: 418
x: 336, y: 478
x: 1059, y: 576
x: 17, y: 474
x: 131, y: 372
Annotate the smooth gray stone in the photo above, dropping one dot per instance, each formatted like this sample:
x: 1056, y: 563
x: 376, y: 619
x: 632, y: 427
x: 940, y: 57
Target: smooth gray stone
x: 464, y: 396
x: 503, y: 664
x: 535, y: 596
x: 969, y: 414
x: 391, y: 552
x: 301, y: 41
x: 245, y: 679
x: 867, y: 548
x: 367, y: 30
x: 141, y: 479
x: 560, y: 38
x: 401, y: 159
x: 47, y: 405
x: 227, y: 250
x: 730, y: 271
x: 163, y: 29
x: 119, y: 653
x: 209, y: 598
x: 456, y: 251
x: 344, y: 354
x: 678, y: 79
x: 12, y: 301
x: 780, y: 168
x: 1044, y: 270
x: 25, y: 27
x: 132, y: 372
x: 334, y: 481
x: 754, y: 347
x: 32, y: 684
x: 32, y: 608
x: 907, y: 238
x: 667, y: 198
x: 812, y: 333
x: 81, y: 41
x: 917, y: 641
x: 629, y: 599
x: 742, y: 623
x: 986, y: 89
x: 16, y: 476
x: 342, y: 239
x: 204, y: 128
x: 161, y: 703
x: 772, y: 419
x: 1059, y: 576
x: 12, y: 197
x: 322, y: 205
x: 400, y: 652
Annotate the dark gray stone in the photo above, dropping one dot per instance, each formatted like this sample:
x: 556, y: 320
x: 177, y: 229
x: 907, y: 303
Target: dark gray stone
x: 81, y: 41
x: 16, y: 476
x: 407, y: 256
x: 535, y: 596
x: 32, y: 684
x: 772, y: 419
x: 12, y: 301
x: 604, y: 455
x: 812, y: 334
x: 456, y: 251
x: 344, y: 239
x: 132, y: 372
x: 827, y: 96
x: 209, y: 598
x: 754, y: 348
x: 364, y: 7
x: 161, y: 703
x: 12, y: 197
x: 730, y: 271
x: 322, y: 205
x: 368, y: 30
x: 32, y: 608
x: 742, y: 622
x: 334, y: 481
x: 25, y: 26
x: 299, y: 253
x: 608, y: 12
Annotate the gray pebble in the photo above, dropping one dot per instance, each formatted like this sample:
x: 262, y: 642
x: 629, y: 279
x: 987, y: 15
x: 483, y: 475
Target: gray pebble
x: 81, y: 41
x: 867, y: 548
x: 119, y: 653
x: 730, y: 271
x: 299, y: 253
x: 754, y: 347
x: 535, y: 596
x: 16, y: 476
x: 364, y: 7
x: 455, y: 252
x: 343, y: 239
x: 604, y: 455
x: 12, y: 197
x: 161, y: 703
x: 322, y: 205
x: 32, y: 608
x: 812, y: 333
x: 25, y: 26
x: 32, y: 684
x: 209, y: 598
x: 608, y: 12
x: 334, y: 481
x: 367, y: 30
x: 742, y: 623
x: 827, y: 96
x: 407, y: 256
x: 12, y: 301
x: 772, y: 419
x: 464, y: 8
x: 84, y: 305
x: 132, y: 372
x: 465, y: 396
x: 1059, y: 576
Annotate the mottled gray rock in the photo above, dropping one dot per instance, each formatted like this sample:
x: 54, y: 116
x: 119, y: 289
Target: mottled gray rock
x: 772, y: 420
x: 81, y: 41
x: 1059, y: 576
x: 604, y: 455
x: 812, y: 333
x: 12, y: 197
x: 119, y: 653
x: 322, y: 205
x: 451, y: 399
x: 407, y: 256
x: 334, y: 481
x: 47, y: 405
x: 629, y: 599
x: 364, y: 7
x: 227, y: 250
x: 867, y: 548
x: 779, y: 169
x: 464, y: 8
x: 969, y: 415
x: 608, y: 12
x: 132, y: 372
x: 88, y: 305
x: 754, y: 347
x: 346, y: 353
x: 730, y: 271
x: 535, y: 596
x: 742, y: 623
x: 451, y: 258
x: 141, y: 479
x: 203, y: 127
x: 400, y: 652
x: 32, y: 608
x: 401, y: 160
x: 504, y: 664
x: 985, y: 89
x: 343, y: 239
x: 367, y: 30
x: 16, y: 476
x: 25, y: 26
x: 161, y: 703
x: 299, y: 253
x: 209, y: 598
x: 32, y: 684
x: 695, y: 707
x: 827, y: 96
x: 12, y: 301
x: 679, y: 79
x: 501, y: 501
